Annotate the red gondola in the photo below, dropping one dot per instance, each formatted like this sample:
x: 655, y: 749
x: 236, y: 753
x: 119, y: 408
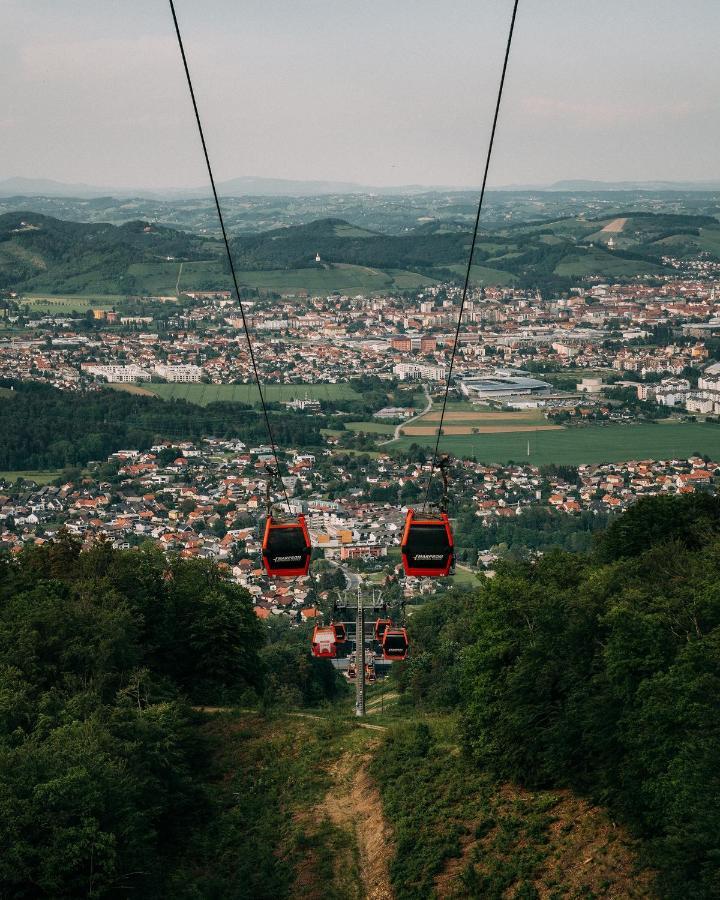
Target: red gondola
x: 352, y: 671
x: 286, y: 549
x: 323, y: 642
x: 340, y: 632
x: 380, y: 626
x: 427, y: 546
x: 395, y: 643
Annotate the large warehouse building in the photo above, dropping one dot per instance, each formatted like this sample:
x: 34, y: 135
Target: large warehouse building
x: 500, y: 386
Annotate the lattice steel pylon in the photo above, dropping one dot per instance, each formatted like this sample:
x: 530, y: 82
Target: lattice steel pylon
x: 360, y: 657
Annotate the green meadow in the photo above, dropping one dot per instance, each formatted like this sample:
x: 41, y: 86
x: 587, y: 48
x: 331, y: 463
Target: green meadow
x: 574, y: 446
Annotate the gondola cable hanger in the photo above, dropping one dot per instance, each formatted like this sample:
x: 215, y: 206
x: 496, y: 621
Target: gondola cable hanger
x: 427, y: 547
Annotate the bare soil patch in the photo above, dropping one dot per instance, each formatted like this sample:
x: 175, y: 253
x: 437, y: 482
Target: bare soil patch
x: 615, y: 226
x: 479, y: 429
x: 354, y: 804
x: 132, y: 389
x: 591, y: 851
x: 587, y: 853
x: 470, y: 416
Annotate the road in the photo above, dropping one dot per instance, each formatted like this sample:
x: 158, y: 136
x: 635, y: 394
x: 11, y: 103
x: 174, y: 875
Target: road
x: 398, y: 428
x: 354, y: 579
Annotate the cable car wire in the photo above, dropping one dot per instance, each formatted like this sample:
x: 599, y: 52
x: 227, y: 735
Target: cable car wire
x: 227, y: 250
x: 472, y: 247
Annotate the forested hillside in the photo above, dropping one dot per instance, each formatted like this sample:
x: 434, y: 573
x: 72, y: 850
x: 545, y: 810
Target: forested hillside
x: 546, y: 716
x: 598, y: 673
x: 103, y: 770
x: 40, y: 253
x: 54, y: 255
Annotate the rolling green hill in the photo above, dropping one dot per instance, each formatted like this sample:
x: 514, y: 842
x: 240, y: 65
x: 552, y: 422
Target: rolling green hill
x: 39, y: 253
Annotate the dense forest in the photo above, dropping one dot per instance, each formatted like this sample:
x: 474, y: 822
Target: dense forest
x: 598, y: 672
x: 44, y: 428
x: 102, y: 765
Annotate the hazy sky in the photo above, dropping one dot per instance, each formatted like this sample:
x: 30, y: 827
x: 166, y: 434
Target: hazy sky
x: 372, y: 91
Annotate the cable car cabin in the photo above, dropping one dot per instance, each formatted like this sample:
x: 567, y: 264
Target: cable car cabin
x: 323, y: 642
x: 380, y: 626
x: 340, y: 632
x: 352, y: 671
x: 427, y: 546
x: 286, y: 549
x: 370, y: 676
x: 395, y: 643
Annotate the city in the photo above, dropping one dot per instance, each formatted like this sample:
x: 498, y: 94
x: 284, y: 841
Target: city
x: 359, y: 451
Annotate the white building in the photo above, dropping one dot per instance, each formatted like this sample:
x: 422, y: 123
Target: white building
x: 419, y: 372
x: 590, y: 386
x: 672, y: 392
x: 706, y: 399
x: 118, y: 374
x: 179, y: 374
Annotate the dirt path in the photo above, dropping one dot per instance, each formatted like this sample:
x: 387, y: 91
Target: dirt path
x: 354, y: 805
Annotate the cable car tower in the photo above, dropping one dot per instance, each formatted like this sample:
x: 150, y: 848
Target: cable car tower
x: 370, y: 626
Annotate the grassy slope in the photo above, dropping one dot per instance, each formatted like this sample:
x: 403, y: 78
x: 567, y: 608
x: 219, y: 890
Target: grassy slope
x: 461, y: 834
x: 295, y: 812
x: 39, y: 477
x: 127, y: 260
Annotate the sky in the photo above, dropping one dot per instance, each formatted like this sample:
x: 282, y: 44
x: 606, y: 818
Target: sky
x: 378, y: 92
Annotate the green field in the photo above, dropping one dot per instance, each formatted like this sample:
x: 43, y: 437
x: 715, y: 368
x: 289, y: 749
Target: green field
x: 44, y: 303
x: 573, y: 446
x: 485, y: 275
x: 202, y: 394
x: 164, y: 277
x: 372, y: 427
x: 597, y: 262
x: 41, y: 477
x: 464, y: 577
x: 408, y: 281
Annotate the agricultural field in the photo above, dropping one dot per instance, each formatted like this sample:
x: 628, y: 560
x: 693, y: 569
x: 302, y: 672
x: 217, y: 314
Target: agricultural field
x: 485, y: 275
x: 36, y: 475
x: 202, y: 394
x: 167, y: 277
x: 473, y: 421
x: 598, y: 262
x: 43, y: 303
x: 573, y: 446
x: 326, y: 280
x: 371, y: 427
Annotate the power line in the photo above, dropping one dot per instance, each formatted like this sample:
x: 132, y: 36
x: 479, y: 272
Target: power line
x: 227, y: 249
x: 472, y: 246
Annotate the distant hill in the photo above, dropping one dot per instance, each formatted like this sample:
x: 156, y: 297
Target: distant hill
x: 339, y: 242
x: 588, y: 185
x: 46, y: 187
x: 244, y: 186
x: 41, y: 253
